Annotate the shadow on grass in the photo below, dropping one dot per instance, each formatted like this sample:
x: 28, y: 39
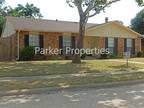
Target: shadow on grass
x: 43, y: 68
x: 124, y: 67
x: 36, y: 68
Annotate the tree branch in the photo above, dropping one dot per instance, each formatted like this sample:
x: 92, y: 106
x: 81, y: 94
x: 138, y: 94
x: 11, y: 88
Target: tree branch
x: 90, y: 7
x: 78, y: 3
x: 102, y: 8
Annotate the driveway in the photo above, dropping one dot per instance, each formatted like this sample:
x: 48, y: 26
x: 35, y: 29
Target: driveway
x: 119, y: 97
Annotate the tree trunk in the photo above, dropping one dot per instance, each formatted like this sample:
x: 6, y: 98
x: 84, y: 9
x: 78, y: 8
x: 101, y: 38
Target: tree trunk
x: 79, y: 43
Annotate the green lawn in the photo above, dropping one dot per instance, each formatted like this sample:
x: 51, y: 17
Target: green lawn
x: 34, y: 68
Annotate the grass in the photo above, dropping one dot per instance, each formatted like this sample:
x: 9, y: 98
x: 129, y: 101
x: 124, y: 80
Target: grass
x: 137, y: 59
x: 68, y: 82
x: 34, y: 68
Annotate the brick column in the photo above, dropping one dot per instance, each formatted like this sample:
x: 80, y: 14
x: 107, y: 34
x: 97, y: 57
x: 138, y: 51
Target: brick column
x: 101, y: 42
x: 120, y: 46
x: 137, y: 45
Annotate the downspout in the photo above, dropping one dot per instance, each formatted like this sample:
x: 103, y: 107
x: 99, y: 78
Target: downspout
x: 18, y: 47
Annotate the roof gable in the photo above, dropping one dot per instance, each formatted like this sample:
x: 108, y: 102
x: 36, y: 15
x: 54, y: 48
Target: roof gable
x: 112, y: 29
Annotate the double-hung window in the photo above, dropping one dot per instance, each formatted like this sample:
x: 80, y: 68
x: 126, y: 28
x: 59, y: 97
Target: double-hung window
x: 34, y: 40
x: 129, y: 45
x: 66, y: 43
x: 111, y: 45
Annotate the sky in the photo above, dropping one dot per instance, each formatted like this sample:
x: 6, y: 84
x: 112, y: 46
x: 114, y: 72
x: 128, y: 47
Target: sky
x: 123, y: 11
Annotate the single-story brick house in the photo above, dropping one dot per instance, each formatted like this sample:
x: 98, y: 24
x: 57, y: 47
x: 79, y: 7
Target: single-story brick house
x: 60, y: 34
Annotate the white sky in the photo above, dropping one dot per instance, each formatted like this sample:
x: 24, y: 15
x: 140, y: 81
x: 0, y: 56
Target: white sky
x: 124, y: 10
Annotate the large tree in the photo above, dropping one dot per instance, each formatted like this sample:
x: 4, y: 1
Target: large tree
x: 1, y: 17
x: 2, y: 1
x: 86, y: 10
x: 29, y: 10
x: 137, y: 23
x: 140, y: 2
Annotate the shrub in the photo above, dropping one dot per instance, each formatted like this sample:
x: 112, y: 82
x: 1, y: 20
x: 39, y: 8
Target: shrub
x: 139, y: 54
x: 83, y: 56
x: 113, y: 56
x: 104, y: 56
x: 27, y: 53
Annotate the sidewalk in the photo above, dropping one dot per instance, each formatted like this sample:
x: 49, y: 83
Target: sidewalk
x: 52, y: 90
x: 46, y: 77
x: 133, y: 62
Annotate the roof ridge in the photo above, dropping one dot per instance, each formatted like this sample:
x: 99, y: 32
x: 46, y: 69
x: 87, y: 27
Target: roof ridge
x: 33, y: 19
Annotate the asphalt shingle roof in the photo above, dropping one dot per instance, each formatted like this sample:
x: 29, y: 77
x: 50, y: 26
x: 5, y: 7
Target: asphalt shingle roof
x: 45, y: 25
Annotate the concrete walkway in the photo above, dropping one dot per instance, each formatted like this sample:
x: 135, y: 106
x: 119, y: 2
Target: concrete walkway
x: 46, y: 77
x: 133, y: 62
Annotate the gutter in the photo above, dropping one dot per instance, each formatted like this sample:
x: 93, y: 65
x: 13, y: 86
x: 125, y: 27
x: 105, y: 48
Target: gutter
x: 18, y: 46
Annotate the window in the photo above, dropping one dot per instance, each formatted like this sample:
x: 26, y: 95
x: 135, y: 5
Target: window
x: 111, y: 44
x: 129, y: 45
x: 34, y: 40
x: 66, y: 42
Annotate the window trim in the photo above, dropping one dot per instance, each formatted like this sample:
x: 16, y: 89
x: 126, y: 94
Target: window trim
x: 111, y: 48
x: 129, y: 45
x: 68, y: 43
x: 32, y: 35
x: 109, y: 44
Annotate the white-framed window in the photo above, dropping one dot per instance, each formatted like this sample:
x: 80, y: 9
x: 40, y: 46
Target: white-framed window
x: 66, y: 43
x: 34, y: 40
x: 129, y: 45
x: 111, y: 44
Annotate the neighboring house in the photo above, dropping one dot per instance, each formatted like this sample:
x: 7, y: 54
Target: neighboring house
x: 60, y: 34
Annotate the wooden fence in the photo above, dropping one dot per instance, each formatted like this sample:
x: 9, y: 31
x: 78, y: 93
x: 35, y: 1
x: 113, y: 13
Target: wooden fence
x: 8, y: 48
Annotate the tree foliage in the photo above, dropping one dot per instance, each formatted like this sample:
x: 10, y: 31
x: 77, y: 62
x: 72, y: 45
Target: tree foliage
x: 2, y: 20
x: 140, y: 2
x: 1, y: 17
x: 87, y: 9
x: 29, y: 10
x: 137, y: 23
x: 2, y: 1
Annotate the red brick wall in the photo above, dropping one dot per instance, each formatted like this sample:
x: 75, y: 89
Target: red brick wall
x: 21, y: 38
x: 138, y: 44
x: 120, y: 46
x: 101, y: 42
x: 52, y: 39
x: 142, y: 44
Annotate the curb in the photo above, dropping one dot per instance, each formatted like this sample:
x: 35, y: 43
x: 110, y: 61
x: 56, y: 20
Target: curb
x: 43, y: 77
x: 74, y: 88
